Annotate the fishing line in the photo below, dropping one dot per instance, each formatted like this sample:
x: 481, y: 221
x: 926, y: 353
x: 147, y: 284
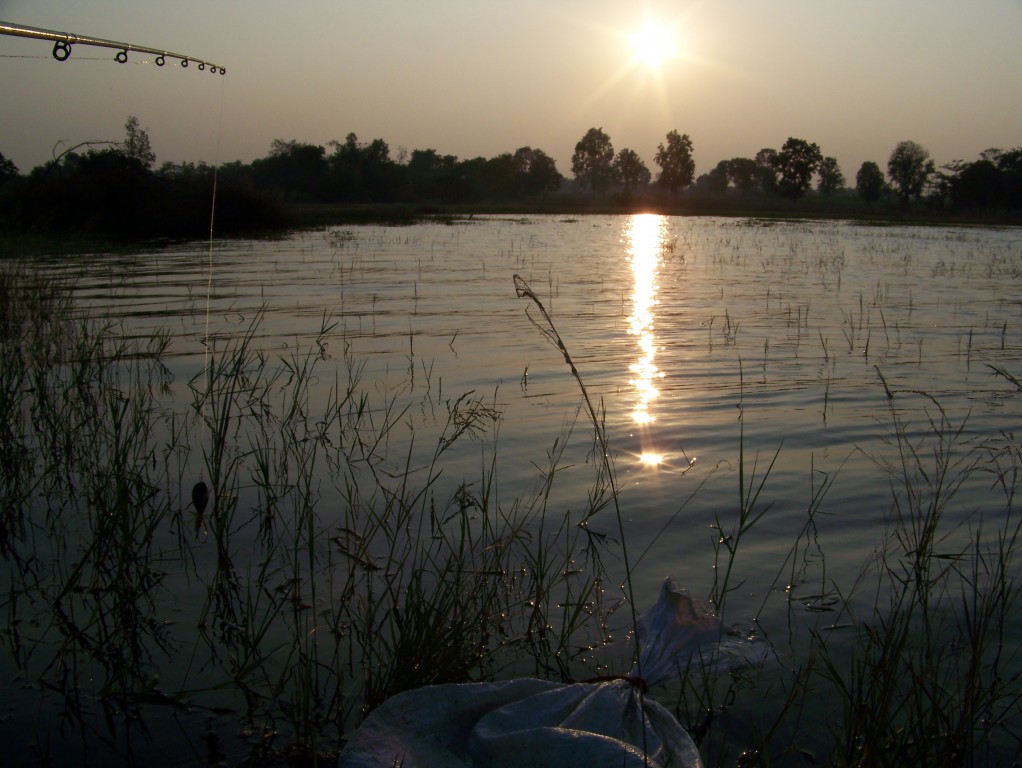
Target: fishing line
x: 200, y: 491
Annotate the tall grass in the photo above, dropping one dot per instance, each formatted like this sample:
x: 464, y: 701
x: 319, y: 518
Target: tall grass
x: 916, y: 660
x: 323, y: 575
x: 935, y: 676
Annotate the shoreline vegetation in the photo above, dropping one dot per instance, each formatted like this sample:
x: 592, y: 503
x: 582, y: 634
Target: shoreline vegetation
x: 115, y: 190
x: 276, y: 219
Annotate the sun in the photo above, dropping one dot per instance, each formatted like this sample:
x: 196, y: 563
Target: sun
x: 653, y: 45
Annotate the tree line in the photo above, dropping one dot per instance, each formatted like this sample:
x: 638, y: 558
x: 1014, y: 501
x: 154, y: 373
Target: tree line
x: 993, y: 183
x: 117, y: 186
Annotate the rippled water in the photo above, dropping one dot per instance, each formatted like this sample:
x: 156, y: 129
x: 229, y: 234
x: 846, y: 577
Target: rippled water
x: 686, y: 330
x: 703, y: 339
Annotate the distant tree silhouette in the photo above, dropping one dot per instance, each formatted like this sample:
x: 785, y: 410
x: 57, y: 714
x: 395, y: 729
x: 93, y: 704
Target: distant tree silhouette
x: 292, y: 168
x: 1009, y: 163
x: 358, y: 172
x: 236, y: 174
x: 428, y: 174
x: 499, y: 179
x: 379, y: 170
x: 107, y: 192
x: 8, y: 170
x: 136, y: 143
x: 115, y: 190
x: 346, y: 164
x: 537, y: 172
x: 630, y: 170
x: 677, y: 168
x: 714, y: 183
x: 767, y: 171
x: 992, y: 183
x: 593, y: 160
x: 976, y: 186
x: 186, y: 171
x: 743, y: 173
x: 909, y: 168
x: 795, y: 164
x: 869, y: 181
x: 469, y: 181
x: 111, y: 185
x: 831, y: 178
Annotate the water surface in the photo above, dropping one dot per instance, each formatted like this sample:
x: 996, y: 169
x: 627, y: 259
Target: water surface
x: 792, y: 346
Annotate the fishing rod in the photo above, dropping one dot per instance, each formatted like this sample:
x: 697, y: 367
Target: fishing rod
x: 62, y: 42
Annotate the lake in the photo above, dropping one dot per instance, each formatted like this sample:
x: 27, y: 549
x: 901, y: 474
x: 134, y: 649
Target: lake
x: 796, y: 366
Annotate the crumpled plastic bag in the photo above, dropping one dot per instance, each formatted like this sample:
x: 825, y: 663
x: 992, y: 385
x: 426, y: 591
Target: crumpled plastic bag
x: 530, y: 723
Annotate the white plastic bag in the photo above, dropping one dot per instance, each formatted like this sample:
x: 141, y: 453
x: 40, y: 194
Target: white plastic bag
x: 534, y: 723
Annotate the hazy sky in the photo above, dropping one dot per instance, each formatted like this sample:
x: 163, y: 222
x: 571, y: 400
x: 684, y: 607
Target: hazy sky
x: 480, y: 77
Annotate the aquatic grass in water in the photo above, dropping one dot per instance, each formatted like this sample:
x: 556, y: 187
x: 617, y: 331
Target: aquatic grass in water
x: 913, y: 662
x: 368, y: 540
x: 82, y: 481
x: 308, y: 619
x: 932, y: 677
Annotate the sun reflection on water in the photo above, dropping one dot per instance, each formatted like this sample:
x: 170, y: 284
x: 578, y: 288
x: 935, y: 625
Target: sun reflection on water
x: 645, y: 235
x: 651, y: 459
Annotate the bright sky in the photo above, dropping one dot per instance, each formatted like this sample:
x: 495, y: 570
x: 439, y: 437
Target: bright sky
x: 481, y: 77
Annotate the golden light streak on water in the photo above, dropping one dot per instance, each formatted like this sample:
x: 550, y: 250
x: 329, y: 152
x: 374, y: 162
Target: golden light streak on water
x: 645, y: 234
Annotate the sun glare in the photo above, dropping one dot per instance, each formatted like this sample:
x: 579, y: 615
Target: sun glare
x: 651, y: 459
x: 653, y: 45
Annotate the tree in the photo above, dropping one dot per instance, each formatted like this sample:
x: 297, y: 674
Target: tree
x: 714, y: 182
x: 428, y: 173
x: 630, y: 170
x: 525, y: 174
x: 976, y: 186
x: 795, y: 164
x: 537, y: 172
x: 136, y: 143
x: 499, y: 178
x: 378, y: 170
x: 1009, y: 163
x: 994, y: 182
x: 293, y: 168
x: 766, y: 170
x: 677, y: 168
x: 8, y: 170
x: 869, y: 181
x: 467, y: 181
x: 831, y: 178
x: 909, y: 168
x: 593, y: 160
x: 346, y: 171
x: 743, y: 173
